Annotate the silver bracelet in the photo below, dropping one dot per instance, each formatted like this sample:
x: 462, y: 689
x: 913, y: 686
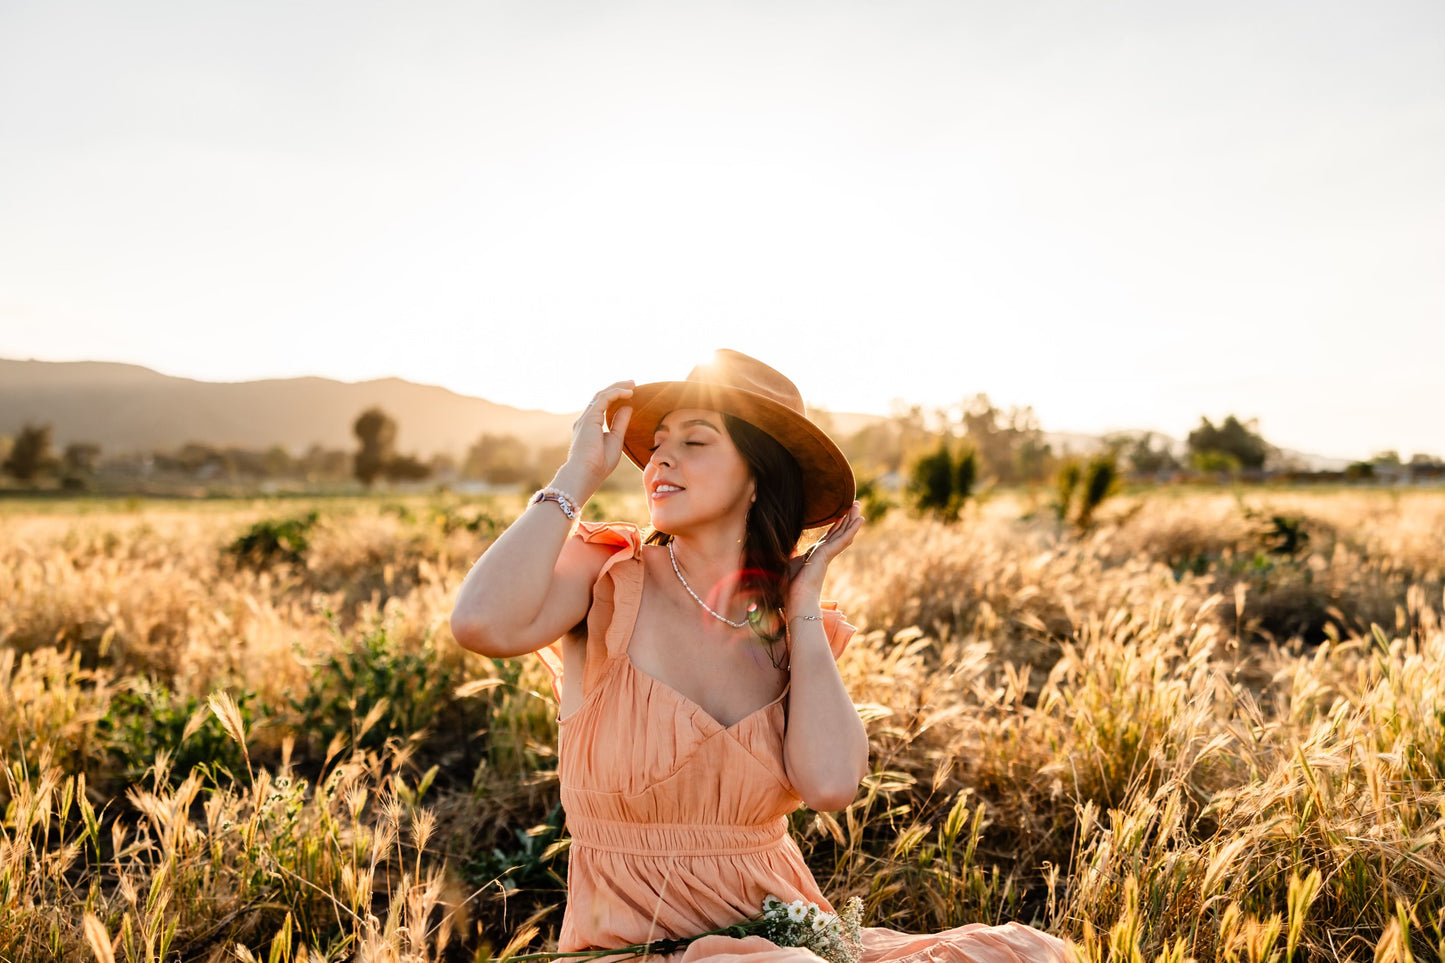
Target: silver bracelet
x: 807, y: 618
x: 564, y: 501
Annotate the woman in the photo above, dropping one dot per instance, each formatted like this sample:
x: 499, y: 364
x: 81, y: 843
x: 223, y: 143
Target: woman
x: 700, y: 699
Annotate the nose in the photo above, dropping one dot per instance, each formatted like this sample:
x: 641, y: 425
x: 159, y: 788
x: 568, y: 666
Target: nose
x: 664, y: 454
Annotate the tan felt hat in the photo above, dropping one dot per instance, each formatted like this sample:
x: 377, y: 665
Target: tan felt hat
x: 748, y: 389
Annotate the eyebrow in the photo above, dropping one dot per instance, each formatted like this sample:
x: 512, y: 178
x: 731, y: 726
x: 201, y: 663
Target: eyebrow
x: 687, y: 424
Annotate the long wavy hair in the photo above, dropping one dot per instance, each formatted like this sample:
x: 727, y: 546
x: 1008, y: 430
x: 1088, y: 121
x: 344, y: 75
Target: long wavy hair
x: 775, y: 523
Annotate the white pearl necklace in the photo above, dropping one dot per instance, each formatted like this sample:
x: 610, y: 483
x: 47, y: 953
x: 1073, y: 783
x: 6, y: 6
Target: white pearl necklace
x: 721, y: 618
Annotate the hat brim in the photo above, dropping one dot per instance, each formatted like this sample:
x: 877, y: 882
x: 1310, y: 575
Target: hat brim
x: 828, y: 486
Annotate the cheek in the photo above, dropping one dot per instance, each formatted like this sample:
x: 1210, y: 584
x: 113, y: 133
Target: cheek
x: 739, y: 479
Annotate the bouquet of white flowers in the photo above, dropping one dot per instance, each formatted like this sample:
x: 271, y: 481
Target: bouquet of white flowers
x: 836, y: 937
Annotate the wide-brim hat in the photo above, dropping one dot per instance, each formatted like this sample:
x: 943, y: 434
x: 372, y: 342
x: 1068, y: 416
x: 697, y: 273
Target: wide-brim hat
x: 738, y: 385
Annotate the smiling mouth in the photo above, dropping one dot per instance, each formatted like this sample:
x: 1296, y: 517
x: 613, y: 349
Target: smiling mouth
x: 661, y: 490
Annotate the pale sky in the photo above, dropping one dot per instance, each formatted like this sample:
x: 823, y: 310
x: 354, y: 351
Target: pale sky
x: 1126, y: 214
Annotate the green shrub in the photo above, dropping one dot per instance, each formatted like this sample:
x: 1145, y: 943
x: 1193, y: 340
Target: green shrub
x: 373, y: 691
x: 536, y: 863
x: 874, y: 499
x: 148, y: 719
x: 1101, y: 479
x: 940, y: 482
x: 1080, y: 488
x: 1066, y: 482
x: 274, y: 541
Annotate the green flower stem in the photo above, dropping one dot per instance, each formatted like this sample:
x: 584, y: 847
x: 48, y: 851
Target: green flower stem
x: 657, y: 947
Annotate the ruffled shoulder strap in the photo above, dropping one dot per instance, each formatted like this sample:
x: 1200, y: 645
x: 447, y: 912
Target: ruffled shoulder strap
x: 619, y: 535
x: 616, y: 597
x: 837, y: 628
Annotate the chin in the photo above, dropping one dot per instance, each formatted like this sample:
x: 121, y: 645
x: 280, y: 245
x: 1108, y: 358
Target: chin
x: 669, y: 522
x: 660, y: 522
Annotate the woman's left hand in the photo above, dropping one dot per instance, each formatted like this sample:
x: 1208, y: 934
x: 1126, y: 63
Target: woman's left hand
x: 806, y: 571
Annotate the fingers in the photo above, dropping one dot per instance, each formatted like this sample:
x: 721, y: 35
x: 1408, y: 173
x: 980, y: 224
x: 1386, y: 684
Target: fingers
x: 618, y: 389
x: 839, y: 536
x: 596, y: 409
x: 616, y: 433
x: 843, y: 531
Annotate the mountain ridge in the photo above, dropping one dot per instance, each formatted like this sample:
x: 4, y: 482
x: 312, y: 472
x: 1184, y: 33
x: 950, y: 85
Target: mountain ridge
x: 125, y: 407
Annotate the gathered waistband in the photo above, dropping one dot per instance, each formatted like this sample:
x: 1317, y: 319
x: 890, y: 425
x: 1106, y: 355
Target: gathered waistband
x: 674, y: 839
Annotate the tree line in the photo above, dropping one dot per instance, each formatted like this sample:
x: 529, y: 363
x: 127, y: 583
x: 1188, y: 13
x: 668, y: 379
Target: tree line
x: 32, y: 459
x: 938, y: 456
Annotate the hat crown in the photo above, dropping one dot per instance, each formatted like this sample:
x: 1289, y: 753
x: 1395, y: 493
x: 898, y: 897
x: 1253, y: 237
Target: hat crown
x: 733, y: 369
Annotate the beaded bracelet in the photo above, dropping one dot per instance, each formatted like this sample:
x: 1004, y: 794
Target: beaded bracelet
x: 564, y: 501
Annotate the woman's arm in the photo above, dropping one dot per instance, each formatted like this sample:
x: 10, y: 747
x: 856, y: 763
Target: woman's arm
x: 825, y: 748
x: 534, y: 584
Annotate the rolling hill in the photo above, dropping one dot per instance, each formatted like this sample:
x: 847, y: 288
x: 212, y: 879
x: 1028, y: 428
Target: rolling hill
x: 124, y: 407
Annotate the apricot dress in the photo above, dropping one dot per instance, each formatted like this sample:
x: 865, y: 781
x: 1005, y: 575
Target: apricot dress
x: 679, y: 823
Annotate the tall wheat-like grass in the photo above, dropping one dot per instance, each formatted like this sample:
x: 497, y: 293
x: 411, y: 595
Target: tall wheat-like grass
x: 1208, y: 728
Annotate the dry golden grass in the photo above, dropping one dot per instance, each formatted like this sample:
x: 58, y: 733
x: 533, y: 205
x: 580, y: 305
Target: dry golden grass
x: 1211, y: 728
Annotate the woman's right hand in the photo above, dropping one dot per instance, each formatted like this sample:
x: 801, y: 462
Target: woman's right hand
x: 596, y: 448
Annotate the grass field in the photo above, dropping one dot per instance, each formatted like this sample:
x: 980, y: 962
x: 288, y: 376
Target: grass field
x: 1213, y: 727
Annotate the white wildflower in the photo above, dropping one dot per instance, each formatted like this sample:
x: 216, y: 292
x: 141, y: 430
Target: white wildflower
x: 798, y: 910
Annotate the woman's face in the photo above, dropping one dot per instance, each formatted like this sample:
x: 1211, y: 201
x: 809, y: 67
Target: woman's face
x: 696, y: 475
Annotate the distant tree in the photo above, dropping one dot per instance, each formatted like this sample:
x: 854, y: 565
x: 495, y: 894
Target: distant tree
x: 874, y: 448
x: 1239, y: 440
x: 1137, y: 451
x: 198, y: 460
x: 406, y: 468
x: 276, y: 462
x: 1009, y: 442
x: 325, y: 464
x: 443, y: 465
x: 30, y: 455
x: 1033, y: 457
x: 991, y: 439
x: 248, y: 463
x: 377, y: 432
x: 77, y: 465
x: 79, y: 458
x: 548, y: 459
x: 498, y: 459
x: 1213, y: 462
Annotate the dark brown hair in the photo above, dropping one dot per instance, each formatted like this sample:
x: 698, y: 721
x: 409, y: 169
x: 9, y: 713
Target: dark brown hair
x: 775, y: 521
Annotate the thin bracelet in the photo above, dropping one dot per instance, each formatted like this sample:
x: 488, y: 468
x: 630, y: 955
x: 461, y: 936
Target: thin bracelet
x: 564, y: 501
x: 788, y: 629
